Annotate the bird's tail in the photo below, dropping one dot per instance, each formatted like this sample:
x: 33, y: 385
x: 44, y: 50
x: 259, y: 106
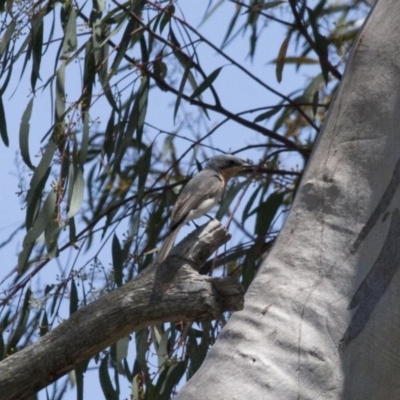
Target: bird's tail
x: 167, y: 245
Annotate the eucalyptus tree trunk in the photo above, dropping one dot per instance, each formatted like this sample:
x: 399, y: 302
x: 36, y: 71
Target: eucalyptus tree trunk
x: 322, y: 318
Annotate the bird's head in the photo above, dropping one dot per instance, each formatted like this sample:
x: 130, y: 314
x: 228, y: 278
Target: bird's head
x: 227, y: 164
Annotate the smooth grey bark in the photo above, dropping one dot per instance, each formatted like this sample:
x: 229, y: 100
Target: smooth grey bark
x: 322, y: 317
x: 170, y: 291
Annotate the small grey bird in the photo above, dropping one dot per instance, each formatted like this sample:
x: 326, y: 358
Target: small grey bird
x: 201, y: 194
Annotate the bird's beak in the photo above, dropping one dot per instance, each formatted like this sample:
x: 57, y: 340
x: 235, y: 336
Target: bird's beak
x: 247, y: 165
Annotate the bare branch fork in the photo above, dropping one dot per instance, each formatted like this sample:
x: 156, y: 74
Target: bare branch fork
x: 170, y: 291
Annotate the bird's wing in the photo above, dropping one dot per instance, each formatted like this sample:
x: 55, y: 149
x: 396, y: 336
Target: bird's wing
x: 205, y: 185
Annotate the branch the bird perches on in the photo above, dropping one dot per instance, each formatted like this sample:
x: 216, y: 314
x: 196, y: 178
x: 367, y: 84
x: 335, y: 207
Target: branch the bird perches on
x: 171, y: 291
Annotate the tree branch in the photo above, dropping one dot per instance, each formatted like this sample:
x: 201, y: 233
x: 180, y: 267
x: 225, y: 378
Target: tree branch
x: 170, y: 291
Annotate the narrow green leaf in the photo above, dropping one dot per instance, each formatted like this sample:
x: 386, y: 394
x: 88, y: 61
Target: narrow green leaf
x: 57, y: 298
x: 266, y: 213
x: 79, y: 378
x: 314, y: 86
x: 186, y: 61
x: 118, y: 260
x: 320, y: 41
x: 37, y: 44
x: 109, y: 96
x: 51, y: 234
x: 96, y: 26
x: 157, y: 220
x: 162, y: 349
x: 270, y: 4
x: 185, y: 76
x: 156, y: 21
x: 73, y: 298
x: 197, y: 352
x: 206, y: 83
x: 229, y: 195
x: 167, y: 14
x: 25, y: 49
x: 44, y: 324
x: 126, y: 370
x: 253, y: 38
x: 122, y: 347
x: 48, y: 289
x: 249, y: 268
x: 85, y: 141
x: 6, y: 80
x: 281, y: 58
x: 89, y: 74
x: 183, y: 58
x: 249, y: 204
x: 142, y: 348
x: 22, y: 321
x: 108, y: 390
x: 286, y: 113
x: 99, y: 4
x: 60, y: 93
x: 268, y: 114
x: 127, y: 39
x: 34, y: 199
x: 3, y: 124
x: 75, y: 198
x: 144, y: 165
x: 137, y: 388
x: 298, y: 60
x: 70, y: 39
x: 168, y: 379
x: 102, y: 66
x: 156, y: 334
x: 135, y: 122
x: 315, y: 103
x: 7, y: 36
x: 160, y: 71
x: 72, y: 231
x: 144, y: 50
x: 40, y: 224
x: 210, y: 11
x: 122, y: 137
x: 232, y: 24
x: 140, y: 106
x: 44, y: 216
x: 109, y: 137
x: 24, y: 135
x: 66, y: 164
x: 117, y: 18
x: 50, y: 37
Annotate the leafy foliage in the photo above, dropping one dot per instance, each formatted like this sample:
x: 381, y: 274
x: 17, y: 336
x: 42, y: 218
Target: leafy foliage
x: 109, y: 169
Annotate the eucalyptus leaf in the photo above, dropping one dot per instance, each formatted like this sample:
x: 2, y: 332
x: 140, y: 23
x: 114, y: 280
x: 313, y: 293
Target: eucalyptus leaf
x: 3, y: 124
x: 40, y: 224
x: 24, y: 129
x: 78, y: 189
